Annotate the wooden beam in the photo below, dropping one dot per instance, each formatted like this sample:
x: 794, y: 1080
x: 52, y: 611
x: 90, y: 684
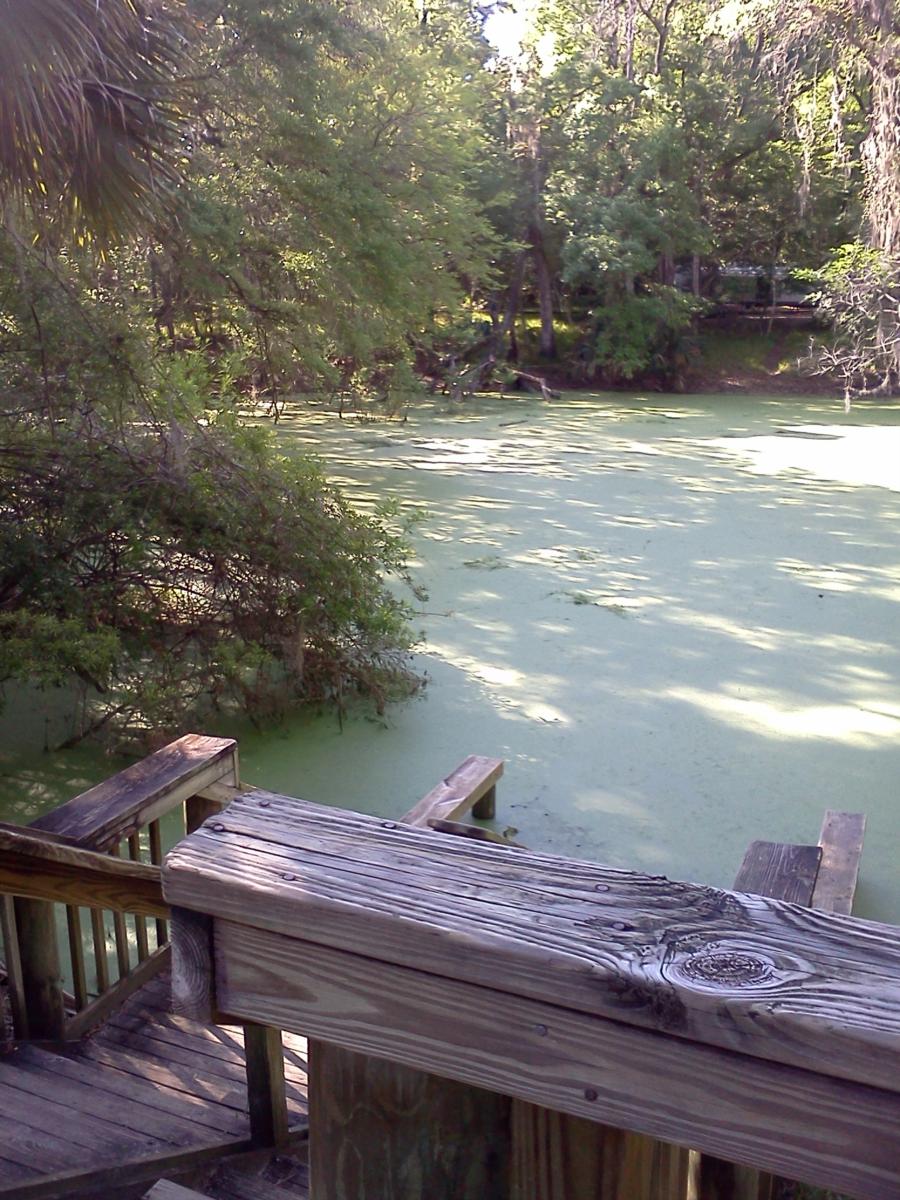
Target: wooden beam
x: 383, y: 1130
x: 779, y: 871
x: 475, y: 832
x: 470, y: 787
x: 45, y: 870
x: 810, y: 1126
x: 737, y: 971
x: 782, y: 872
x: 13, y: 964
x: 193, y: 970
x: 266, y: 1098
x: 841, y: 843
x: 560, y: 1157
x: 42, y: 985
x: 113, y: 810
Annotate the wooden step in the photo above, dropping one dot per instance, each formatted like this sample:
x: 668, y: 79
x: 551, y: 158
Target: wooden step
x: 166, y: 1190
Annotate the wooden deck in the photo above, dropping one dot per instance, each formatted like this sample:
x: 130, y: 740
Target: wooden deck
x: 146, y: 1086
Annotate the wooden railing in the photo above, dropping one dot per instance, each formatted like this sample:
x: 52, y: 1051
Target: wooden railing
x: 101, y: 852
x: 547, y: 998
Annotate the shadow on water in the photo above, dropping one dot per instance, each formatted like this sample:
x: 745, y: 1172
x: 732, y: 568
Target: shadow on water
x: 674, y: 617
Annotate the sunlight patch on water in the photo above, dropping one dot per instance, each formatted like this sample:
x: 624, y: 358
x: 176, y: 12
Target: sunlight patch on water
x: 773, y: 717
x: 858, y: 455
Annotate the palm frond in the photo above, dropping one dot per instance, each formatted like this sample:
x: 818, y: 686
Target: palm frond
x: 89, y: 123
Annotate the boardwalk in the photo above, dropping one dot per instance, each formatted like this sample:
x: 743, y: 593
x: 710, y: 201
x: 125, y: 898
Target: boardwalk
x: 147, y: 1084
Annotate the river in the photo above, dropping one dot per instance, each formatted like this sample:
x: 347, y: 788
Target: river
x: 675, y: 618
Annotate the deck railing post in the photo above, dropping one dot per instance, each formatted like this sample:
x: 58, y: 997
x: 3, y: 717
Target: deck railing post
x: 42, y: 982
x: 266, y: 1095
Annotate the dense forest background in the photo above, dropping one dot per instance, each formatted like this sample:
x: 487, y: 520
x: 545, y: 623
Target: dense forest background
x: 210, y: 208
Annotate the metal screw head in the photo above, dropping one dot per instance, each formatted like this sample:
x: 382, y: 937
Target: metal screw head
x: 541, y: 1030
x: 591, y: 1093
x: 288, y: 876
x: 619, y: 925
x: 601, y: 887
x: 388, y: 825
x: 264, y: 803
x: 218, y: 827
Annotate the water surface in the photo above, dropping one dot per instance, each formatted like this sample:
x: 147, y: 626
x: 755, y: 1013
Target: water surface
x: 675, y: 618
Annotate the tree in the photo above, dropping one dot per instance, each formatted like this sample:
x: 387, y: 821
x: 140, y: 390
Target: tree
x: 154, y: 549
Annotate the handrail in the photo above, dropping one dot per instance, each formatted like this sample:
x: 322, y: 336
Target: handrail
x: 748, y: 1028
x: 120, y: 806
x: 44, y: 870
x: 93, y: 852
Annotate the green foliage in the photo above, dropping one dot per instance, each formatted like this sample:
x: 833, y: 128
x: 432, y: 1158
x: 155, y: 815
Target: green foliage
x: 160, y: 551
x: 645, y: 335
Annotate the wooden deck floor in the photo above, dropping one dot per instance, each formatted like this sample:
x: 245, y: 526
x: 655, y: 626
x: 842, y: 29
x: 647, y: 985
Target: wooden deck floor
x: 147, y: 1084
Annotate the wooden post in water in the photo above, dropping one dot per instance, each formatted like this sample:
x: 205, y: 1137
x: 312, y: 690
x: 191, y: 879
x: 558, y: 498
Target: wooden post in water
x: 41, y: 974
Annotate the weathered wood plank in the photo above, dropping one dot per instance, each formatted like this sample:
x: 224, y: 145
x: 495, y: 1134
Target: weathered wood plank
x: 192, y: 966
x: 402, y: 1133
x: 76, y: 955
x: 41, y: 974
x: 560, y: 1157
x: 825, y: 1131
x: 266, y: 1096
x: 98, y: 939
x: 140, y: 923
x: 475, y: 832
x: 738, y: 971
x: 93, y: 1139
x: 780, y: 871
x: 841, y: 842
x: 185, y: 1078
x: 164, y: 1189
x: 154, y: 838
x: 143, y: 1170
x: 464, y: 789
x: 42, y: 1077
x: 111, y: 1077
x: 104, y: 815
x: 13, y: 964
x: 32, y: 867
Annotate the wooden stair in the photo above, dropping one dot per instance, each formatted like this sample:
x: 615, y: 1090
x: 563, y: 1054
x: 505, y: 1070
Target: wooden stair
x: 282, y: 1177
x: 149, y: 1091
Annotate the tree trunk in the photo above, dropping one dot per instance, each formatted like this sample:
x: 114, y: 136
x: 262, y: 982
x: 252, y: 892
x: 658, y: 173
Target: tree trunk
x: 508, y: 326
x: 547, y: 344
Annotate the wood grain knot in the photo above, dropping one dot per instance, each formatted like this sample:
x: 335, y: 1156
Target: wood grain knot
x: 729, y: 968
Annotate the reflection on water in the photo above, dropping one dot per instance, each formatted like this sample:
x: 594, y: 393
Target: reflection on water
x: 677, y: 624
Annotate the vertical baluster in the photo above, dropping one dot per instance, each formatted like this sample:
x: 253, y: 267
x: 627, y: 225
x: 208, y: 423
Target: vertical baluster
x: 13, y: 966
x: 98, y: 929
x: 120, y: 927
x: 140, y: 923
x: 162, y: 932
x: 76, y: 953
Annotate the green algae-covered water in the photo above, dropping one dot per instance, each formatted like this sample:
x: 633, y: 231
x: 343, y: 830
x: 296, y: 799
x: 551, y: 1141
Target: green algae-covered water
x: 676, y: 618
